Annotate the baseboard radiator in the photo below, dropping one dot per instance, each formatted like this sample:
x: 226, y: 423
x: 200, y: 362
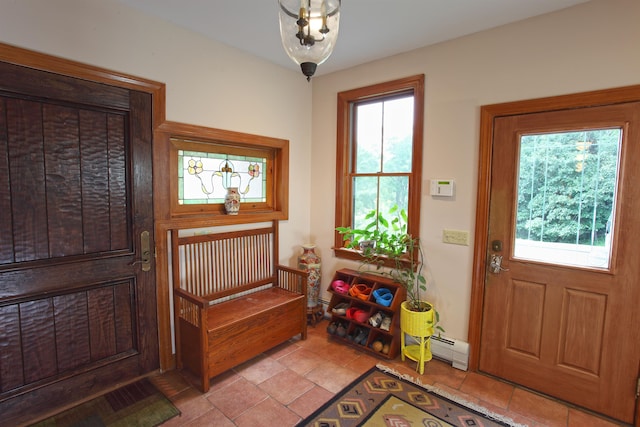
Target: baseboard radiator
x: 451, y: 350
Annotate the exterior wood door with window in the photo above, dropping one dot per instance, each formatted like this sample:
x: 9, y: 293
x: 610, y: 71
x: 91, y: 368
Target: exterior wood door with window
x: 77, y: 304
x: 560, y: 311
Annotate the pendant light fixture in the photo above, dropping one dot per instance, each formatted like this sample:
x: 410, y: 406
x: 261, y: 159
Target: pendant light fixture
x: 309, y: 30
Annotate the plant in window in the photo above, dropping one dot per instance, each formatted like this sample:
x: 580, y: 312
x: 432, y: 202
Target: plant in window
x: 391, y: 241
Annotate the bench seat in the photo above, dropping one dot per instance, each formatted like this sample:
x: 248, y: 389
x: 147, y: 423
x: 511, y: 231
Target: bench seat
x: 260, y: 311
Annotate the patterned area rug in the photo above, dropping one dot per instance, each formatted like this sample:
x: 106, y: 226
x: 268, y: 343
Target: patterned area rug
x: 381, y: 397
x: 138, y: 405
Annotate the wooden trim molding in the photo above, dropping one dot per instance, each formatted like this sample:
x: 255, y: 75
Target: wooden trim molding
x: 44, y: 62
x: 277, y: 150
x: 344, y: 155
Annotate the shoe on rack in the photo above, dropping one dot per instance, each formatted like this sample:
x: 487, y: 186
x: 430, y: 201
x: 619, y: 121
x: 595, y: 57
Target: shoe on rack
x: 331, y: 329
x: 386, y: 323
x: 376, y: 319
x: 340, y: 309
x: 361, y: 337
x: 341, y: 331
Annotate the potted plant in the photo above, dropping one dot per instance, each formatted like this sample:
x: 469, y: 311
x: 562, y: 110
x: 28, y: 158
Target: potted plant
x: 394, y: 253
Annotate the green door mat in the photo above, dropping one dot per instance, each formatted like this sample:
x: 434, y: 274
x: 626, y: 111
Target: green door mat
x: 137, y: 405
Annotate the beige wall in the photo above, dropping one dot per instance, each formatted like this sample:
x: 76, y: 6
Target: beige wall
x: 207, y: 83
x: 591, y: 46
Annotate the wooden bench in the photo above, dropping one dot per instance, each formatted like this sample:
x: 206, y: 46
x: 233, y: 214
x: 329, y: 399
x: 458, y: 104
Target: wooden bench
x: 232, y: 301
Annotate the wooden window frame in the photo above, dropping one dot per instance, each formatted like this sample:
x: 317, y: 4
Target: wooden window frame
x: 188, y: 137
x: 345, y: 128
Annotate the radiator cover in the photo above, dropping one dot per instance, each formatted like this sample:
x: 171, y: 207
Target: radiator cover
x: 451, y: 350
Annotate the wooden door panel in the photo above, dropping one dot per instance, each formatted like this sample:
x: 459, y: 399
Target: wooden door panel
x: 582, y: 331
x: 68, y: 179
x: 27, y: 181
x: 72, y: 335
x: 525, y: 308
x: 53, y: 337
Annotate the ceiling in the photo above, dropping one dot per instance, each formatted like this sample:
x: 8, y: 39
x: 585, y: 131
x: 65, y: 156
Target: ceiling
x: 369, y: 29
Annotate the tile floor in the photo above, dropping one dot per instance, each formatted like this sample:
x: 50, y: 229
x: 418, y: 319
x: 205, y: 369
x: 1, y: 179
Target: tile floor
x: 283, y: 386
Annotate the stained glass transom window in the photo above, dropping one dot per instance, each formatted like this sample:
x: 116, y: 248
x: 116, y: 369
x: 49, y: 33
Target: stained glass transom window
x: 203, y: 177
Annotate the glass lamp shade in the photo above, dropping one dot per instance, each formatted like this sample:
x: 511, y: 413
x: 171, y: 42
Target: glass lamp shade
x: 311, y: 44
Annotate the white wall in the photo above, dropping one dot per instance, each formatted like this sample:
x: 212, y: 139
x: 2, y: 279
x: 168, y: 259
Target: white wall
x: 587, y: 47
x: 207, y: 83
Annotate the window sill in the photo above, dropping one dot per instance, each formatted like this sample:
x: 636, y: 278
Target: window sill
x: 356, y: 255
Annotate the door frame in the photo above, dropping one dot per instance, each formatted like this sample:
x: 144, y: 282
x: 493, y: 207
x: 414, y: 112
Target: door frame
x: 43, y: 62
x: 488, y: 113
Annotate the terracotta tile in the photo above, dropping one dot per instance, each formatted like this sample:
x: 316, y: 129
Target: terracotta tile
x: 333, y: 378
x: 443, y: 373
x: 344, y: 358
x: 267, y: 413
x: 363, y: 363
x: 282, y: 350
x: 302, y: 360
x: 538, y: 408
x: 192, y: 404
x: 259, y: 369
x: 222, y: 381
x: 212, y: 418
x: 286, y: 386
x: 580, y: 418
x: 236, y: 398
x: 309, y: 402
x: 488, y: 389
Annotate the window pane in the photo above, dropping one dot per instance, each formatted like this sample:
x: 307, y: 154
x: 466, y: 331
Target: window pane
x: 365, y: 198
x: 203, y: 177
x: 566, y: 197
x: 394, y: 191
x: 398, y: 135
x: 368, y: 138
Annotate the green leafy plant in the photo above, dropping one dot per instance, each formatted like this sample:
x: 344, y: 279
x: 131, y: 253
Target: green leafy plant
x: 394, y: 253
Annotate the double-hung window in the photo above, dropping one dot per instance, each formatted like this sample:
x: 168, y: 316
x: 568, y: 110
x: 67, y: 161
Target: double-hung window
x: 379, y: 158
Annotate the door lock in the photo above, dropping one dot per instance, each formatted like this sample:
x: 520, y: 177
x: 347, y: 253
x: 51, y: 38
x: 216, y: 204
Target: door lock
x: 145, y: 252
x: 496, y: 264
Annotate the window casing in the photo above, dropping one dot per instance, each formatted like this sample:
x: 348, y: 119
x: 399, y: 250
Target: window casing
x: 352, y: 174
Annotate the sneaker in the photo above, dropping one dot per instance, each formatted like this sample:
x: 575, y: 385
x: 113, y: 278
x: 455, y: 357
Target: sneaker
x: 376, y: 319
x: 341, y: 331
x: 386, y: 323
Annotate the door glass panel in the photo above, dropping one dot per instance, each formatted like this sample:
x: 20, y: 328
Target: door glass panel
x: 566, y: 197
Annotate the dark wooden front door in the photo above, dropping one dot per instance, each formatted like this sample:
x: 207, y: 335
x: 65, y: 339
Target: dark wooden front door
x: 77, y: 309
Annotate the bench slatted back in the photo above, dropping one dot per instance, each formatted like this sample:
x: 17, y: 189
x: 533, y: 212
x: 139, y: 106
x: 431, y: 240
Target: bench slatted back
x: 214, y: 266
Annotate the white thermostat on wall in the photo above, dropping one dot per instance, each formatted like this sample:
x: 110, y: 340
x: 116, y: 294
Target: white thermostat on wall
x: 442, y: 187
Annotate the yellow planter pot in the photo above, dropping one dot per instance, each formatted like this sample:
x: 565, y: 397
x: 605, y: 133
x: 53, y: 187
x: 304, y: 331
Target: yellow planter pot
x: 418, y: 324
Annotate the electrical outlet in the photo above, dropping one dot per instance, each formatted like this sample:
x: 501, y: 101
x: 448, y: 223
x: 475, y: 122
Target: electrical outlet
x: 455, y: 237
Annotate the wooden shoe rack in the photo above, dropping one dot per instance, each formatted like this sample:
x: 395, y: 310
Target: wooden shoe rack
x: 366, y: 306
